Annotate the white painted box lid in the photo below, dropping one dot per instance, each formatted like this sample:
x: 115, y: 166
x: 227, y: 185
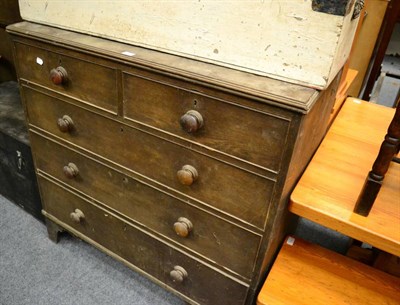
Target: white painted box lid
x: 282, y: 39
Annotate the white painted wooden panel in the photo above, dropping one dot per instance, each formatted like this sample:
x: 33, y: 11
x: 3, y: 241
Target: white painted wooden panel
x: 281, y: 39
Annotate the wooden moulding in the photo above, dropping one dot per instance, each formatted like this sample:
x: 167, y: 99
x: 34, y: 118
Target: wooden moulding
x: 264, y: 89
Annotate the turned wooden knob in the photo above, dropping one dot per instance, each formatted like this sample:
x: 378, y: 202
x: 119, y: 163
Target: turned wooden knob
x: 59, y: 76
x: 191, y: 121
x: 178, y: 274
x: 183, y: 226
x: 187, y: 175
x: 77, y: 216
x: 65, y: 124
x: 71, y: 170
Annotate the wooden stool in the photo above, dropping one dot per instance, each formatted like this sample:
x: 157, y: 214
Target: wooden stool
x: 305, y: 273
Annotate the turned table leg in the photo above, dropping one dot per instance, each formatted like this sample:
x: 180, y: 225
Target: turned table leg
x: 389, y: 148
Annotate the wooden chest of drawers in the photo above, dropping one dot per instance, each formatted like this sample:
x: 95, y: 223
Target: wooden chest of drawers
x: 178, y: 168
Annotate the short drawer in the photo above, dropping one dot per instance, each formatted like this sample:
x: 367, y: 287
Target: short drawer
x: 223, y: 186
x: 84, y: 79
x: 201, y: 283
x: 251, y: 135
x: 212, y: 237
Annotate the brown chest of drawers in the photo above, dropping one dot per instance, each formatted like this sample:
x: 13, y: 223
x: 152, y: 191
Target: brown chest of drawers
x: 178, y: 168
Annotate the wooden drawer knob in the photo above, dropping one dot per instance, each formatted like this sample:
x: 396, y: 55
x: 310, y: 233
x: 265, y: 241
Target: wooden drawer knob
x: 191, y: 121
x: 71, y: 170
x: 59, y: 76
x: 178, y: 274
x: 77, y: 216
x: 183, y: 227
x: 65, y: 124
x: 187, y: 175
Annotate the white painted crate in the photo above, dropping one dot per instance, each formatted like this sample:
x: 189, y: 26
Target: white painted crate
x: 281, y: 39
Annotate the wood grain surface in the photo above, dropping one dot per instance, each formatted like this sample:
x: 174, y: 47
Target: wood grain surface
x: 147, y: 253
x: 305, y: 273
x: 277, y: 38
x: 156, y: 210
x: 330, y: 186
x: 116, y: 123
x: 157, y: 158
x: 270, y: 91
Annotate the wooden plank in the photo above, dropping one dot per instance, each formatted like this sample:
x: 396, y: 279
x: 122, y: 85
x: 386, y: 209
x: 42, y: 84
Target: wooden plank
x: 281, y: 39
x: 329, y: 188
x: 305, y: 273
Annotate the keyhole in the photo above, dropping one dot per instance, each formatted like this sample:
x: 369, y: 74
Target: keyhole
x: 195, y: 103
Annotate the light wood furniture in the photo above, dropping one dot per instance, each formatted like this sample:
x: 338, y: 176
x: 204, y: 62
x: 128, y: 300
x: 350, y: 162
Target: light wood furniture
x: 305, y: 273
x: 388, y: 150
x: 178, y: 168
x: 367, y: 36
x: 343, y: 92
x: 332, y: 182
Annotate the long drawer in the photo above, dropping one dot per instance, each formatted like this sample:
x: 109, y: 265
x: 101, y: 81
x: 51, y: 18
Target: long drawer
x: 201, y: 284
x: 87, y: 79
x: 212, y: 237
x: 252, y: 135
x: 223, y: 186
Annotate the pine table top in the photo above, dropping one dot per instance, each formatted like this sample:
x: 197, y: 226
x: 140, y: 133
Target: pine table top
x: 329, y: 188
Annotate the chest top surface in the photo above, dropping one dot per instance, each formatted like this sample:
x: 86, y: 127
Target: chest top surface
x: 264, y: 89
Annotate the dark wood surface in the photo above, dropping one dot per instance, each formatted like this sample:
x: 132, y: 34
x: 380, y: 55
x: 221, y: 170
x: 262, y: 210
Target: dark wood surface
x: 228, y: 127
x: 264, y: 89
x: 9, y: 12
x: 157, y: 158
x: 213, y: 196
x: 150, y: 207
x: 88, y: 80
x: 390, y: 19
x: 141, y: 249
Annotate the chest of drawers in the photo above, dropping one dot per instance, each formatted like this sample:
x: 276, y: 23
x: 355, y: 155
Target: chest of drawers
x: 178, y: 168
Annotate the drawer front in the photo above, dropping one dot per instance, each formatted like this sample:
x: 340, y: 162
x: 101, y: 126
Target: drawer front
x: 202, y: 284
x: 91, y: 83
x: 210, y: 236
x: 227, y: 188
x: 251, y: 135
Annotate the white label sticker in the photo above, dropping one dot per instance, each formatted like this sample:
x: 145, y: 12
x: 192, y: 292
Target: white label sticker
x: 39, y: 61
x: 290, y: 241
x: 127, y: 53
